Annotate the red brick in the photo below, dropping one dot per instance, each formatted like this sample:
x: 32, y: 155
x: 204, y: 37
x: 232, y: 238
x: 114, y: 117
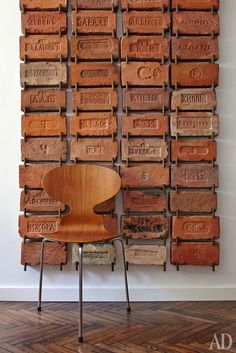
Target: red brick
x: 144, y: 150
x: 145, y: 176
x: 195, y: 48
x: 89, y: 149
x: 43, y: 47
x: 43, y: 125
x: 139, y: 201
x: 110, y: 223
x: 194, y: 176
x: 39, y: 201
x: 194, y: 99
x: 41, y: 99
x: 43, y: 5
x: 145, y: 227
x: 93, y: 124
x: 193, y: 150
x: 94, y: 4
x: 35, y: 226
x: 194, y: 124
x: 144, y: 74
x: 193, y: 201
x: 151, y: 124
x: 144, y: 47
x: 142, y: 22
x: 54, y: 254
x: 195, y: 22
x: 94, y: 74
x: 47, y: 22
x: 145, y: 98
x: 44, y: 149
x: 195, y: 4
x: 195, y: 253
x: 89, y: 99
x: 94, y: 47
x: 31, y: 176
x: 107, y: 206
x: 94, y: 22
x: 144, y: 5
x: 194, y: 75
x: 43, y: 74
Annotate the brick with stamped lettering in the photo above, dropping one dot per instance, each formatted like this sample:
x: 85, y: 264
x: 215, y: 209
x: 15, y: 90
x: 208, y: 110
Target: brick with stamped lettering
x: 43, y: 74
x: 195, y: 4
x: 144, y: 227
x: 93, y: 47
x: 193, y: 99
x: 193, y: 201
x: 43, y: 125
x: 94, y: 74
x: 194, y: 176
x: 195, y: 22
x: 195, y: 253
x: 144, y: 74
x: 145, y: 176
x: 39, y: 201
x: 194, y: 124
x: 139, y: 201
x: 35, y: 226
x: 41, y: 22
x: 31, y: 176
x: 142, y: 22
x: 92, y: 149
x: 37, y: 5
x: 193, y: 150
x: 44, y: 149
x: 195, y: 48
x: 144, y: 4
x: 95, y: 254
x: 43, y: 99
x: 151, y: 124
x: 144, y: 150
x: 89, y: 99
x: 94, y: 4
x: 194, y: 75
x: 144, y: 48
x: 43, y: 47
x: 146, y: 255
x: 145, y: 98
x: 93, y: 124
x: 94, y: 22
x: 54, y: 253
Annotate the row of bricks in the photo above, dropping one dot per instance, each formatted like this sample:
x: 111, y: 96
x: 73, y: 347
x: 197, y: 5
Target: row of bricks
x: 191, y: 253
x: 55, y: 47
x: 30, y: 5
x: 134, y: 22
x: 133, y: 201
x: 183, y: 228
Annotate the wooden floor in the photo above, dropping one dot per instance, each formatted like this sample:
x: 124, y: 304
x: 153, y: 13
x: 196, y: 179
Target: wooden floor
x: 170, y: 327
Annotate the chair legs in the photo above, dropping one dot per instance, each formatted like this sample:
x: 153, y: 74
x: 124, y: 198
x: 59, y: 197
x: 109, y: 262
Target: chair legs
x: 80, y: 292
x: 41, y: 274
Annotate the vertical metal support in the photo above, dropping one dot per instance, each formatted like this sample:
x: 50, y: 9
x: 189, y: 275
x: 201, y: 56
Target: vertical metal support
x: 80, y: 292
x: 41, y: 274
x: 125, y: 274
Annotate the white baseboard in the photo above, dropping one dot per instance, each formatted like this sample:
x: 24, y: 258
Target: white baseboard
x: 117, y: 294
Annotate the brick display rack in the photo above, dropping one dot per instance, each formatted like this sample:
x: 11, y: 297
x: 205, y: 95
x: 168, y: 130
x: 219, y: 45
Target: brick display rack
x: 160, y: 134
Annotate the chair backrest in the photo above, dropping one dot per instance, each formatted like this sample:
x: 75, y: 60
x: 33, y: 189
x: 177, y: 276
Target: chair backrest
x: 81, y: 188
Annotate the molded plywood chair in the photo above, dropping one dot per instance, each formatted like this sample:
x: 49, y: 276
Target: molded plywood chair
x: 81, y: 188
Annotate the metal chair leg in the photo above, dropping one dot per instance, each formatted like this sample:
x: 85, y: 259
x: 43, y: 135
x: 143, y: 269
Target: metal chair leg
x: 125, y: 274
x: 80, y: 292
x: 41, y: 274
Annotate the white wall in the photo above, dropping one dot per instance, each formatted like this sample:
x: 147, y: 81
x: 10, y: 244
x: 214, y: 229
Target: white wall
x: 100, y: 284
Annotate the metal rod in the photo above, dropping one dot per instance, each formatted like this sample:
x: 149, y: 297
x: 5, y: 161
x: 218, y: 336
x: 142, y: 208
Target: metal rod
x: 80, y: 292
x: 41, y: 274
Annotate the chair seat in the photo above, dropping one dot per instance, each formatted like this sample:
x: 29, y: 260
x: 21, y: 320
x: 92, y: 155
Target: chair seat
x: 79, y: 237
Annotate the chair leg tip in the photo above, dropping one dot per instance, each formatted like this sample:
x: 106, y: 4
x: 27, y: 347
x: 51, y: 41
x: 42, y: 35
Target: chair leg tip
x: 129, y: 309
x: 81, y: 339
x: 39, y: 308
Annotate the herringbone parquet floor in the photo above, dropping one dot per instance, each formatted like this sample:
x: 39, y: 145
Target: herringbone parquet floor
x: 170, y: 327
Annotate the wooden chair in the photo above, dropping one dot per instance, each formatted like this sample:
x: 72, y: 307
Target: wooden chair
x: 81, y: 188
